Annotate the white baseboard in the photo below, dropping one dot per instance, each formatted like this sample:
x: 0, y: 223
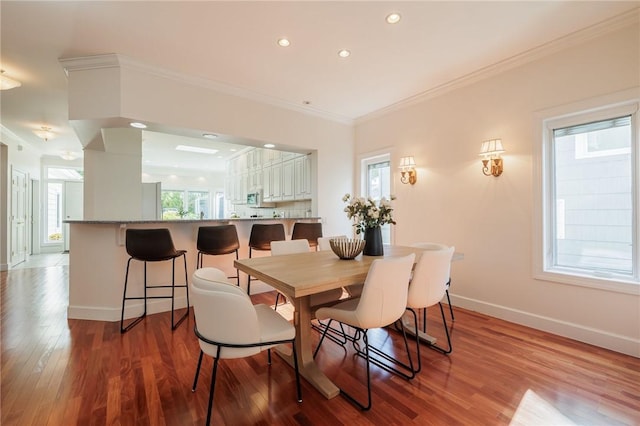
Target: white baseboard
x: 592, y: 336
x: 132, y: 310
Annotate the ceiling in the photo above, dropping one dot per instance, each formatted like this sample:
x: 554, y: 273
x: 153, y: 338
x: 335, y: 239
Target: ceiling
x: 234, y: 44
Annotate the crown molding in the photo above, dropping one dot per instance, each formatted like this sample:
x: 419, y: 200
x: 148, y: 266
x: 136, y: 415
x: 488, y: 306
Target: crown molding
x: 626, y: 19
x: 114, y: 60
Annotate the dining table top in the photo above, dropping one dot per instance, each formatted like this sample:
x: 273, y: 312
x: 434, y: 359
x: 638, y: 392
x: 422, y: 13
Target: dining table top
x: 303, y: 274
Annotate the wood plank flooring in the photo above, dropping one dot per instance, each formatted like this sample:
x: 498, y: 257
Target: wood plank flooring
x: 69, y: 372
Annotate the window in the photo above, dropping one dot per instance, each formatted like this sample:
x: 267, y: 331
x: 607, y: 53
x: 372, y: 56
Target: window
x: 590, y: 196
x: 376, y: 183
x: 185, y: 204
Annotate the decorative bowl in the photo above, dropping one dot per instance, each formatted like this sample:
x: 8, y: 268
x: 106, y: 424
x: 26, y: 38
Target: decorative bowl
x: 346, y: 248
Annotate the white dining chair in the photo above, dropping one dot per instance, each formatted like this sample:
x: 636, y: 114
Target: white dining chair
x: 203, y: 276
x: 383, y: 302
x: 438, y: 246
x: 228, y: 325
x: 427, y: 288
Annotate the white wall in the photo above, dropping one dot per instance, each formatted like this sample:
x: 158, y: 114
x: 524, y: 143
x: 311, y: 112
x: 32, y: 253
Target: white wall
x: 490, y: 219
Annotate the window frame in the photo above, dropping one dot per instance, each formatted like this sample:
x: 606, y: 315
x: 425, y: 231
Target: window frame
x: 44, y: 199
x: 366, y: 160
x: 617, y: 104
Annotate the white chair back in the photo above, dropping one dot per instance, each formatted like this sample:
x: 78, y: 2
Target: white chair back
x: 224, y: 313
x: 384, y: 294
x: 203, y: 276
x: 430, y: 277
x: 279, y: 248
x: 323, y: 242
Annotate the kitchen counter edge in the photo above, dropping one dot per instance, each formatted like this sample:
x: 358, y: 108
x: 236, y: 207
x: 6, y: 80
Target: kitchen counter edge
x: 243, y: 219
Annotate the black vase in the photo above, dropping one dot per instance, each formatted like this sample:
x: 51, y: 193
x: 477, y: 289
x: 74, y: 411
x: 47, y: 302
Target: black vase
x: 373, y: 242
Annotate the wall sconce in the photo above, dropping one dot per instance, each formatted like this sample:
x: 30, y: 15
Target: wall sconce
x: 408, y: 170
x: 44, y: 133
x: 491, y: 161
x: 7, y: 83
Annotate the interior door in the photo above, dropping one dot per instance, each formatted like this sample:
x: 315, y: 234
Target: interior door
x: 35, y: 216
x: 73, y: 206
x: 18, y: 217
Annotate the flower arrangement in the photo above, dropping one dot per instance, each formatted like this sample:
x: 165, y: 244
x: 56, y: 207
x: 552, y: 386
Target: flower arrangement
x: 366, y: 213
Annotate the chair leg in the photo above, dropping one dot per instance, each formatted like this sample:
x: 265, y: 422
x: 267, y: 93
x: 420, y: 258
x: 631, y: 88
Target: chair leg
x: 351, y: 398
x: 275, y: 307
x: 449, y: 301
x: 237, y: 271
x: 195, y: 379
x: 324, y: 333
x: 173, y: 286
x: 386, y: 361
x: 415, y: 327
x: 320, y: 327
x: 249, y: 277
x: 446, y: 330
x: 213, y: 385
x: 124, y: 329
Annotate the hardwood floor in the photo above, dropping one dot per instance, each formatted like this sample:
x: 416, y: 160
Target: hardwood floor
x: 69, y: 372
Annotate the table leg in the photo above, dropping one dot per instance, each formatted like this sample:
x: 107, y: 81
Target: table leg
x: 306, y: 364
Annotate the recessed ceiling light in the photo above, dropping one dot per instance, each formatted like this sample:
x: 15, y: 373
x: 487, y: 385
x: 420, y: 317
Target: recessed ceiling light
x: 197, y: 149
x: 138, y: 125
x: 284, y: 42
x: 269, y: 145
x: 393, y: 18
x: 344, y: 53
x: 209, y: 135
x: 233, y: 150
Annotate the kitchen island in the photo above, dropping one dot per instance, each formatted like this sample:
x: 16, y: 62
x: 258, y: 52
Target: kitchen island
x: 98, y: 259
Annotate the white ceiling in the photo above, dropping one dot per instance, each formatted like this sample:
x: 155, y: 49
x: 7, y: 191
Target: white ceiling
x: 234, y: 43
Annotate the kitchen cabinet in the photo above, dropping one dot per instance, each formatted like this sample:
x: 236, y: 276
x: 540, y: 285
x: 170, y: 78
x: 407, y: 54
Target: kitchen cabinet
x: 267, y: 188
x: 302, y: 180
x: 288, y: 176
x: 282, y: 176
x: 276, y: 182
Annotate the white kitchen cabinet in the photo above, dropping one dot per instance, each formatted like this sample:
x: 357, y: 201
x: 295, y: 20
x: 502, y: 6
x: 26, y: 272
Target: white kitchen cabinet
x: 302, y: 178
x: 288, y: 184
x: 276, y: 182
x: 267, y: 189
x: 282, y: 176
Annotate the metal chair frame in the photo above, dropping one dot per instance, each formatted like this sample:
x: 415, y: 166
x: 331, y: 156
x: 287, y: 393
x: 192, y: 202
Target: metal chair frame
x: 220, y: 345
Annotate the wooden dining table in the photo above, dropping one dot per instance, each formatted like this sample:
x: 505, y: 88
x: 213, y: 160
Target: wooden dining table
x: 298, y: 276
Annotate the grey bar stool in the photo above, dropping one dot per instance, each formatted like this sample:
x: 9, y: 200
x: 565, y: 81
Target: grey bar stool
x: 260, y: 239
x: 217, y: 241
x: 307, y: 231
x: 153, y: 245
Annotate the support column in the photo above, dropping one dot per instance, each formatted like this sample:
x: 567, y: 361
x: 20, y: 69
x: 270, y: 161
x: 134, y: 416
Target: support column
x: 112, y: 179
